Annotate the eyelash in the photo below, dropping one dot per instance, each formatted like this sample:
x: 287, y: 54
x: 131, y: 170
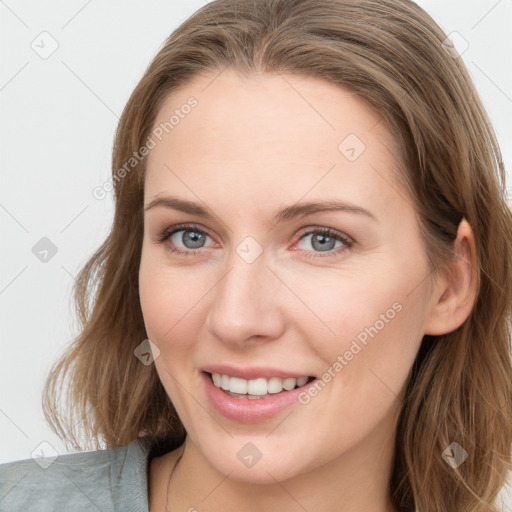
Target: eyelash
x: 167, y: 233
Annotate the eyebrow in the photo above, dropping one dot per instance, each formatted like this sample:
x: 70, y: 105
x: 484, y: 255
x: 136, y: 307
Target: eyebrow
x: 290, y: 212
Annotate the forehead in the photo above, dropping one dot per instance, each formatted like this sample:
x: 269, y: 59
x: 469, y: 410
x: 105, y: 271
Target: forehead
x: 268, y: 132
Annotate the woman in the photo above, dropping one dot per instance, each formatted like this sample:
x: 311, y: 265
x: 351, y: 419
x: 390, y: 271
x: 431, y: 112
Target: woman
x: 304, y: 299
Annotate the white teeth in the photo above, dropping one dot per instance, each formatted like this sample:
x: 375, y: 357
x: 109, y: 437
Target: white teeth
x: 289, y: 383
x: 301, y: 381
x: 237, y: 385
x: 256, y: 387
x: 224, y: 382
x: 275, y: 385
x: 216, y: 379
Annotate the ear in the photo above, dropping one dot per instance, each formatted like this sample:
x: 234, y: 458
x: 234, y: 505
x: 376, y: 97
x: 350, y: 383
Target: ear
x: 454, y: 292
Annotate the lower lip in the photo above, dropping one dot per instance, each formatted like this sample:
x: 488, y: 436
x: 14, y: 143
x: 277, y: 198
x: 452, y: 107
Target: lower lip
x: 245, y: 410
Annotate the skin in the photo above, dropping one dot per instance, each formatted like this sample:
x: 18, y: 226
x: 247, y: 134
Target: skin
x: 249, y: 148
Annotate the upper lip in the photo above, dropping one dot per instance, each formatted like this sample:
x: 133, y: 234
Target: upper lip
x: 252, y: 372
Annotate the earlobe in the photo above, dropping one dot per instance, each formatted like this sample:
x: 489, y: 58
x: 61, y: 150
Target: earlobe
x: 455, y: 292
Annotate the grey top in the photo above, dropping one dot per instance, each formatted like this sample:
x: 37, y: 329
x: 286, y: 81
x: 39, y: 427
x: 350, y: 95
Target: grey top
x: 105, y: 480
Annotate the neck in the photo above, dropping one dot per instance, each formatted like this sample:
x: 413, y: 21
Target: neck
x: 355, y: 482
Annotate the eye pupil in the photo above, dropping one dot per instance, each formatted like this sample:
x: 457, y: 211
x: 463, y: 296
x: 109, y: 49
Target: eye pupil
x: 326, y: 243
x: 195, y: 239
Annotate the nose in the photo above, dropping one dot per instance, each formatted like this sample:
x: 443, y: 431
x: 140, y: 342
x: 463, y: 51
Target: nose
x: 247, y: 304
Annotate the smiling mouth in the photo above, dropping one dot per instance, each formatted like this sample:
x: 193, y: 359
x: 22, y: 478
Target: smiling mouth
x: 255, y: 389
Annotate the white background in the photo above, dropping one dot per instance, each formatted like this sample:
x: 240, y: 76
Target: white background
x: 57, y: 120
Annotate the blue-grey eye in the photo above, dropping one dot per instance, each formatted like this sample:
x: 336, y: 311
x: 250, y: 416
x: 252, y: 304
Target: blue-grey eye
x: 320, y: 242
x: 189, y: 238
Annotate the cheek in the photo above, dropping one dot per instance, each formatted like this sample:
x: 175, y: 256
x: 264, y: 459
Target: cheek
x: 377, y: 328
x: 169, y: 298
x: 166, y: 314
x: 369, y: 323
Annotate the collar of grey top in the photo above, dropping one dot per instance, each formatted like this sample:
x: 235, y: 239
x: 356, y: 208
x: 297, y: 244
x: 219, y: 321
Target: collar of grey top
x: 107, y: 480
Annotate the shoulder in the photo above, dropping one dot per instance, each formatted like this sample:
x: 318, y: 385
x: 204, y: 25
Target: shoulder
x: 107, y: 480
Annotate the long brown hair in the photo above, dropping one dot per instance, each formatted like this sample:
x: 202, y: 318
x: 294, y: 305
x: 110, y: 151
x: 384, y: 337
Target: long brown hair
x: 391, y: 53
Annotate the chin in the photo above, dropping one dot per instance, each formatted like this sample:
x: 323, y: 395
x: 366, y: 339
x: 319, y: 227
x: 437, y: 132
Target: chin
x: 243, y: 462
x: 261, y: 473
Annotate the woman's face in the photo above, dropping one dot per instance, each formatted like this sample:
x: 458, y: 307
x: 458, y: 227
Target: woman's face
x: 301, y: 256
